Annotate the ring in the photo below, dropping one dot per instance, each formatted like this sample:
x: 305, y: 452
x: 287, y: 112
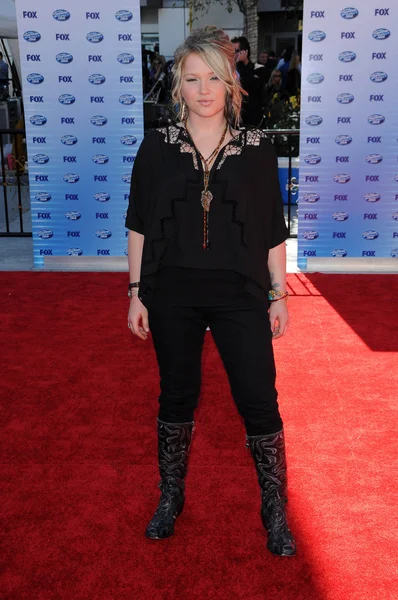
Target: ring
x: 128, y: 325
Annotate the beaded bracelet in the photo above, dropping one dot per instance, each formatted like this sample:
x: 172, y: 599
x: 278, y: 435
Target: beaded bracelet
x: 274, y: 295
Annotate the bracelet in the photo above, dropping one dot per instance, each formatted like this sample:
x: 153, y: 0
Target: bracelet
x: 274, y: 295
x: 136, y: 284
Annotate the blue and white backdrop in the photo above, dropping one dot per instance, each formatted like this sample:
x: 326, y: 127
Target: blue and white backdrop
x: 82, y: 88
x: 348, y: 201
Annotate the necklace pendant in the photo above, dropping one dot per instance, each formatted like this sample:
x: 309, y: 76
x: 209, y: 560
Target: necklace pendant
x: 206, y: 199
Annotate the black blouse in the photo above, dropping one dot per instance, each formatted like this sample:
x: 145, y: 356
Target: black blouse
x: 246, y: 213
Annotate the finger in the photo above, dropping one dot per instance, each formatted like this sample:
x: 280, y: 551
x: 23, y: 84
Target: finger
x: 136, y: 329
x: 145, y: 322
x: 283, y: 323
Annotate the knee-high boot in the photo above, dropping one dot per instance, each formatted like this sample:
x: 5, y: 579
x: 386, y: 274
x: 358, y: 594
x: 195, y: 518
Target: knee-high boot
x: 268, y: 452
x: 174, y: 440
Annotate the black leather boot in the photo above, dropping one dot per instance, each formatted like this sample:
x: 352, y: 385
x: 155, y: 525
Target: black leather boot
x: 174, y: 440
x: 268, y: 452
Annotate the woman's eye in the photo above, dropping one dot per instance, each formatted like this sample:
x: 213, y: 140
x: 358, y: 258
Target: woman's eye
x: 191, y: 79
x: 215, y: 78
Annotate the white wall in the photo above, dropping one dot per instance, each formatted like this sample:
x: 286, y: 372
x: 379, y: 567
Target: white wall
x: 173, y: 29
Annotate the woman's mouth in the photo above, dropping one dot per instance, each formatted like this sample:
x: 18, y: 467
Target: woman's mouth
x: 205, y: 102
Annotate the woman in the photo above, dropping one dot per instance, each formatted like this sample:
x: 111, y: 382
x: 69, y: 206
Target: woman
x: 201, y: 234
x: 272, y: 87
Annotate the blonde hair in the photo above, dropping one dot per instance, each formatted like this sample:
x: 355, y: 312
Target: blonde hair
x: 217, y: 51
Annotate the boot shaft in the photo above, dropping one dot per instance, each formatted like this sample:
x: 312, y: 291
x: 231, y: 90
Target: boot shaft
x: 174, y: 441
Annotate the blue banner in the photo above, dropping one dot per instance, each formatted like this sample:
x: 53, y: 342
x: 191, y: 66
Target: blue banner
x: 82, y: 89
x: 348, y: 201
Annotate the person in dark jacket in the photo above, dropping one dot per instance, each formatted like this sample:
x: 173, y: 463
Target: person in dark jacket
x: 252, y: 81
x: 206, y: 247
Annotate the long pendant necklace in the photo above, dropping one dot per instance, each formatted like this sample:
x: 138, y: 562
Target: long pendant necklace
x: 206, y: 196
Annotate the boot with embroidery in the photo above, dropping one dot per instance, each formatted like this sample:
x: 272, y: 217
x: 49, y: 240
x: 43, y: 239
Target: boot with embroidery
x: 174, y: 441
x: 268, y: 452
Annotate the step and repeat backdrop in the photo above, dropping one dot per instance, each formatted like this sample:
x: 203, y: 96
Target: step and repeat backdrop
x: 348, y: 200
x: 82, y: 89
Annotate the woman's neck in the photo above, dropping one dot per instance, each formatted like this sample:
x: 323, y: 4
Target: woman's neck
x: 201, y: 127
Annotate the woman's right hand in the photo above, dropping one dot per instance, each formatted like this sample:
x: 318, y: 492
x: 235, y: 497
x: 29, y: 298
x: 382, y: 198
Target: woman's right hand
x: 137, y: 319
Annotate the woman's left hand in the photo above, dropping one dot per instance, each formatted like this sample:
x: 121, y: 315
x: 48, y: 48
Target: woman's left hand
x: 278, y: 318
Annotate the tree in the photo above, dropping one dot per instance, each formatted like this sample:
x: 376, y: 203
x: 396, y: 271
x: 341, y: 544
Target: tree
x: 247, y: 7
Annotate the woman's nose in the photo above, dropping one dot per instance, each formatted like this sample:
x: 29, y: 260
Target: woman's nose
x: 203, y: 87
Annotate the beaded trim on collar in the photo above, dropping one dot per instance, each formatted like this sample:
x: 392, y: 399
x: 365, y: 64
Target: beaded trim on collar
x: 178, y: 135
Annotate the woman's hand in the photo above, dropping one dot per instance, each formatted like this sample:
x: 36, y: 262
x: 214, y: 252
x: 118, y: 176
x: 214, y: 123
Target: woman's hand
x: 278, y: 318
x: 138, y: 313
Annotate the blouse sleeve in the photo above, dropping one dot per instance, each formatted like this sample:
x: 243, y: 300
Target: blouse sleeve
x: 278, y: 230
x: 140, y: 185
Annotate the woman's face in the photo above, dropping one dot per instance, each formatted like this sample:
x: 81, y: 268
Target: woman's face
x: 202, y: 90
x: 276, y: 78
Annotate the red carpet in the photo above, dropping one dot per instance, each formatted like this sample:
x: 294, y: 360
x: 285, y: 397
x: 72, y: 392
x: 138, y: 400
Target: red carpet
x: 78, y: 451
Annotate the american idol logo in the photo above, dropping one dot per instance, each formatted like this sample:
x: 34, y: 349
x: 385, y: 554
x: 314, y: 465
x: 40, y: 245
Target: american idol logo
x: 339, y: 252
x: 41, y: 159
x: 69, y: 140
x: 74, y: 252
x: 128, y: 140
x: 372, y: 197
x: 100, y: 159
x: 97, y: 79
x: 73, y: 215
x: 71, y: 178
x: 317, y: 36
x: 370, y: 234
x: 66, y: 99
x: 126, y: 252
x: 312, y: 159
x: 396, y: 178
x: 376, y: 119
x: 310, y: 235
x: 125, y: 58
x: 349, y: 13
x: 124, y: 15
x: 94, y: 37
x: 61, y: 15
x: 103, y: 234
x: 345, y: 98
x: 381, y: 34
x: 126, y: 99
x: 311, y: 198
x: 38, y: 120
x: 64, y: 58
x: 315, y: 78
x: 126, y: 178
x: 378, y: 77
x: 394, y: 253
x: 314, y: 120
x: 340, y: 216
x: 102, y: 197
x: 43, y: 197
x: 395, y: 216
x: 45, y: 234
x: 31, y: 36
x: 35, y: 78
x: 342, y: 178
x: 374, y: 159
x: 124, y: 215
x: 343, y: 140
x: 98, y: 120
x: 347, y: 56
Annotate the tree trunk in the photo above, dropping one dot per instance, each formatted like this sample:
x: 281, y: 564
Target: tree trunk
x: 251, y: 27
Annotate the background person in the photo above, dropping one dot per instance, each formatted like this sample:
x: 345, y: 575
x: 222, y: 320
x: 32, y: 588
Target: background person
x: 251, y: 80
x: 207, y: 247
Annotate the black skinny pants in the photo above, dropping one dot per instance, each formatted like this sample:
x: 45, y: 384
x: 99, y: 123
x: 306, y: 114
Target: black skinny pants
x: 240, y: 327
